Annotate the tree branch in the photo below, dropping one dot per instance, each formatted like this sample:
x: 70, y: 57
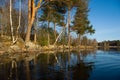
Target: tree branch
x: 38, y: 5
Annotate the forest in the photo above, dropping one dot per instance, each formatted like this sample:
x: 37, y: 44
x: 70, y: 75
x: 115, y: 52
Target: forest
x: 24, y: 23
x: 114, y: 43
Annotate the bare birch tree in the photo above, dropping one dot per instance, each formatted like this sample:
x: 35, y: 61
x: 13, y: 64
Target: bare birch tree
x: 11, y: 23
x: 12, y: 35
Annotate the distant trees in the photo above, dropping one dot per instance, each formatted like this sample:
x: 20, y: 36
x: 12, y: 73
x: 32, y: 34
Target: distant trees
x: 109, y: 43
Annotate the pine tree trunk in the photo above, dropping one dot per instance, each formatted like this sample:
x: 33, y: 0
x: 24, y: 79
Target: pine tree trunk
x: 31, y: 18
x: 48, y: 34
x: 79, y: 44
x: 35, y: 35
x: 69, y: 28
x: 55, y: 30
x: 1, y: 31
x: 27, y: 38
x: 1, y: 26
x: 35, y: 29
x: 32, y: 9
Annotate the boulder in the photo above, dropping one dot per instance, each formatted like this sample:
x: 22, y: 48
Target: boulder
x: 31, y: 46
x: 14, y: 48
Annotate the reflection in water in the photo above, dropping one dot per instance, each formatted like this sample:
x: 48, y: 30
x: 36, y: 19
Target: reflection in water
x: 51, y: 66
x: 82, y: 71
x: 13, y: 70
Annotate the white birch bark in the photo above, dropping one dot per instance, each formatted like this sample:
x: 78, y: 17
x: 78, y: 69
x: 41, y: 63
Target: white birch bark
x: 12, y: 35
x: 11, y: 24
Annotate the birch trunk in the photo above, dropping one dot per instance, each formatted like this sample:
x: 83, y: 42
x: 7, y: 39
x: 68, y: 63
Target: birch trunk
x: 12, y: 34
x: 19, y: 21
x: 14, y: 40
x: 60, y: 34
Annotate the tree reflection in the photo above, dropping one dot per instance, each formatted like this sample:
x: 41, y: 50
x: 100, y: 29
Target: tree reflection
x: 51, y: 66
x: 5, y: 71
x: 82, y: 71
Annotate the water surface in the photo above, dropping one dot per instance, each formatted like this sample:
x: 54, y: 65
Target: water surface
x: 75, y: 65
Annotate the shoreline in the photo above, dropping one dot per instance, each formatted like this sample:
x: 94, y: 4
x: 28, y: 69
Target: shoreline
x: 45, y: 48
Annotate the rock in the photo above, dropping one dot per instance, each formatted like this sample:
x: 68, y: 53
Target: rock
x: 31, y: 46
x: 14, y: 48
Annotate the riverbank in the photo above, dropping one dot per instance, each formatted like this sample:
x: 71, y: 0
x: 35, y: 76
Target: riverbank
x: 20, y: 46
x: 37, y: 48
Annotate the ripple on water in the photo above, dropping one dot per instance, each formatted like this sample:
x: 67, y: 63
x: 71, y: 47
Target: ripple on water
x: 106, y: 66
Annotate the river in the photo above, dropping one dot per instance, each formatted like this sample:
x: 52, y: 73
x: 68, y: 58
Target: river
x: 74, y: 65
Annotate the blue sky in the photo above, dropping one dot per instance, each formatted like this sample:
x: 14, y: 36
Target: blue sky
x: 105, y: 18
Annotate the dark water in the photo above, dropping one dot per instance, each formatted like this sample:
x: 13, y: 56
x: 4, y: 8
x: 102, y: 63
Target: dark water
x: 82, y: 65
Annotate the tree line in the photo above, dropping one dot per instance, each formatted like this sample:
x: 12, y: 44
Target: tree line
x: 45, y: 22
x: 110, y: 43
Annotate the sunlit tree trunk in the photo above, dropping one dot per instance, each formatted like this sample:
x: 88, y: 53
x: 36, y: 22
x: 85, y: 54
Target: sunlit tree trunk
x: 29, y: 20
x: 32, y: 9
x: 11, y: 26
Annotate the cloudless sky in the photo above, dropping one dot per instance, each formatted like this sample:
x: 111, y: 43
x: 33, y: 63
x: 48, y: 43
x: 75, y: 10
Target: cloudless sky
x: 104, y: 15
